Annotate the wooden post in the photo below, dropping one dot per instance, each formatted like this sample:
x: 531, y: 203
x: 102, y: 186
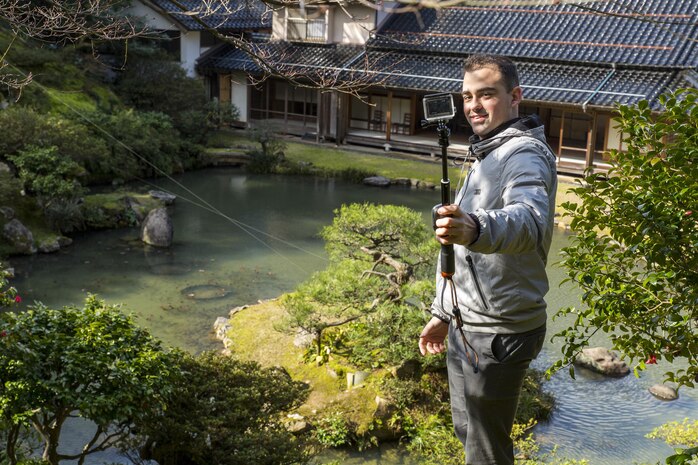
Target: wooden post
x: 413, y: 111
x: 388, y: 116
x: 286, y: 107
x: 224, y: 88
x: 591, y: 141
x: 562, y: 130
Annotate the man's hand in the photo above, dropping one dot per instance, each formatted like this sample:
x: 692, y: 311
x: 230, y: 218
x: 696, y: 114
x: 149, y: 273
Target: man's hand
x: 455, y: 226
x: 433, y: 337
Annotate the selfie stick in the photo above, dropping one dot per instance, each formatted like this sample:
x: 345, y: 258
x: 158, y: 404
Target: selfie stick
x: 439, y: 108
x: 448, y: 263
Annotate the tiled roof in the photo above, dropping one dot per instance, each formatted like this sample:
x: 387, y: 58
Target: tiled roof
x: 241, y: 15
x: 641, y: 32
x: 542, y: 81
x: 295, y: 58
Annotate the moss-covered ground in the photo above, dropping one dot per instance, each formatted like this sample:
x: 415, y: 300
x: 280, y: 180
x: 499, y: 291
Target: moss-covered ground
x: 254, y: 338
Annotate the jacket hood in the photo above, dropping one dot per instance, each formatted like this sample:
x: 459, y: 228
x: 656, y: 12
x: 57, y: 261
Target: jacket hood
x: 531, y: 126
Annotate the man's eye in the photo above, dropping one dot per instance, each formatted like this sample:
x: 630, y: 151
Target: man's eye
x: 466, y: 97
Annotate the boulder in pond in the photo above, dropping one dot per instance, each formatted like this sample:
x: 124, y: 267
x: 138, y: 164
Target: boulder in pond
x: 49, y: 245
x: 157, y: 228
x: 664, y: 392
x: 19, y: 236
x: 602, y: 360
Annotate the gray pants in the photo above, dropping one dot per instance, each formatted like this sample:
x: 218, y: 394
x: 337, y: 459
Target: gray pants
x: 484, y: 404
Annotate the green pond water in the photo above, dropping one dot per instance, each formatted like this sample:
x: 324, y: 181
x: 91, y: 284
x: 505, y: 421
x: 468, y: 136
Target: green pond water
x: 268, y: 244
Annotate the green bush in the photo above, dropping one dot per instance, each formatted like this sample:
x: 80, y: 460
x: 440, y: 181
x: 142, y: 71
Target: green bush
x: 53, y: 179
x: 333, y: 430
x: 143, y: 144
x: 634, y: 254
x: 8, y: 294
x: 94, y: 360
x: 47, y: 174
x: 18, y: 126
x: 75, y: 140
x: 226, y: 412
x: 153, y: 82
x: 270, y: 153
x: 65, y: 215
x: 219, y: 114
x: 24, y: 126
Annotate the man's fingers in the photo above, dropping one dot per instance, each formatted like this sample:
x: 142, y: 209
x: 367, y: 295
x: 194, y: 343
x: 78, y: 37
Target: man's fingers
x: 422, y: 347
x: 452, y: 210
x: 430, y: 347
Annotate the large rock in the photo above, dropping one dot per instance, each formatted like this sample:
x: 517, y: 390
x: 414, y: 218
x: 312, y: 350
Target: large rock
x: 49, y: 245
x: 21, y: 238
x: 602, y: 360
x: 157, y: 228
x: 664, y: 392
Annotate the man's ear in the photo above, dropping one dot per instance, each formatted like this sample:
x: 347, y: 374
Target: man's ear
x: 517, y: 96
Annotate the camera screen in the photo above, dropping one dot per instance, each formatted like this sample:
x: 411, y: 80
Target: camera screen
x: 438, y: 107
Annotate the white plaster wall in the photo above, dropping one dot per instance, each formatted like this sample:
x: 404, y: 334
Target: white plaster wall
x: 190, y: 50
x: 238, y: 93
x: 153, y: 18
x: 278, y: 24
x: 352, y: 28
x: 615, y: 137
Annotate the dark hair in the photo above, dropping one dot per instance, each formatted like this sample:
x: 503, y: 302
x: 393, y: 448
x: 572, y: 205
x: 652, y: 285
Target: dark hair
x: 504, y: 65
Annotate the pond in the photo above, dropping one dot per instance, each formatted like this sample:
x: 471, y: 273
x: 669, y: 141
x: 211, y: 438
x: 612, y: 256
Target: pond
x: 266, y: 245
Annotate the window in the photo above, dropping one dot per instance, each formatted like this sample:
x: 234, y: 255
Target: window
x: 307, y: 26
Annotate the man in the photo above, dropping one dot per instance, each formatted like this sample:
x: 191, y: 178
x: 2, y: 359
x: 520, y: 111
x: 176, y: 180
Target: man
x: 501, y: 226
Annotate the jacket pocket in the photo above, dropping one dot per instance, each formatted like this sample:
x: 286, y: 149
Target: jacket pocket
x: 478, y: 287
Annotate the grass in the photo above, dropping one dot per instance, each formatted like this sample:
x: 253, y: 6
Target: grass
x: 337, y: 160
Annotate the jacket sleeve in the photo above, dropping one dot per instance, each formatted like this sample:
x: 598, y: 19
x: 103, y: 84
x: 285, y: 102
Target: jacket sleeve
x: 527, y: 188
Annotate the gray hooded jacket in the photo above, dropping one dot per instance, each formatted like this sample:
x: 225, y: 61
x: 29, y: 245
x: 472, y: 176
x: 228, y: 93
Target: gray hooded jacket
x: 500, y: 278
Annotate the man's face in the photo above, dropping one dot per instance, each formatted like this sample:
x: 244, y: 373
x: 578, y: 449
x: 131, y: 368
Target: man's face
x: 486, y: 101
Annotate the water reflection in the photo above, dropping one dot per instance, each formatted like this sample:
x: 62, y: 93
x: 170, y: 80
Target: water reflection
x: 602, y: 420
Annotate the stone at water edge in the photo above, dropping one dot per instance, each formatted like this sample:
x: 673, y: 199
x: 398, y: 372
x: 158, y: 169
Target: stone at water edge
x: 157, y: 228
x: 20, y: 237
x: 378, y: 181
x: 166, y: 197
x: 602, y: 360
x: 221, y: 327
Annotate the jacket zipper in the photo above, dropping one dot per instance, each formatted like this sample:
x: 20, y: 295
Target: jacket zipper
x: 471, y: 265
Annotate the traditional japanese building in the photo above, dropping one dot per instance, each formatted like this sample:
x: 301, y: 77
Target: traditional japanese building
x: 576, y: 63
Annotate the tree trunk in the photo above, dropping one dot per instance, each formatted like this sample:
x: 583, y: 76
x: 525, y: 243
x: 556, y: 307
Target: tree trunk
x: 11, y: 447
x: 50, y: 454
x: 318, y: 341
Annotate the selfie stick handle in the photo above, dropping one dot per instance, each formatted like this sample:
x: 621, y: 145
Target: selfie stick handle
x: 448, y: 258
